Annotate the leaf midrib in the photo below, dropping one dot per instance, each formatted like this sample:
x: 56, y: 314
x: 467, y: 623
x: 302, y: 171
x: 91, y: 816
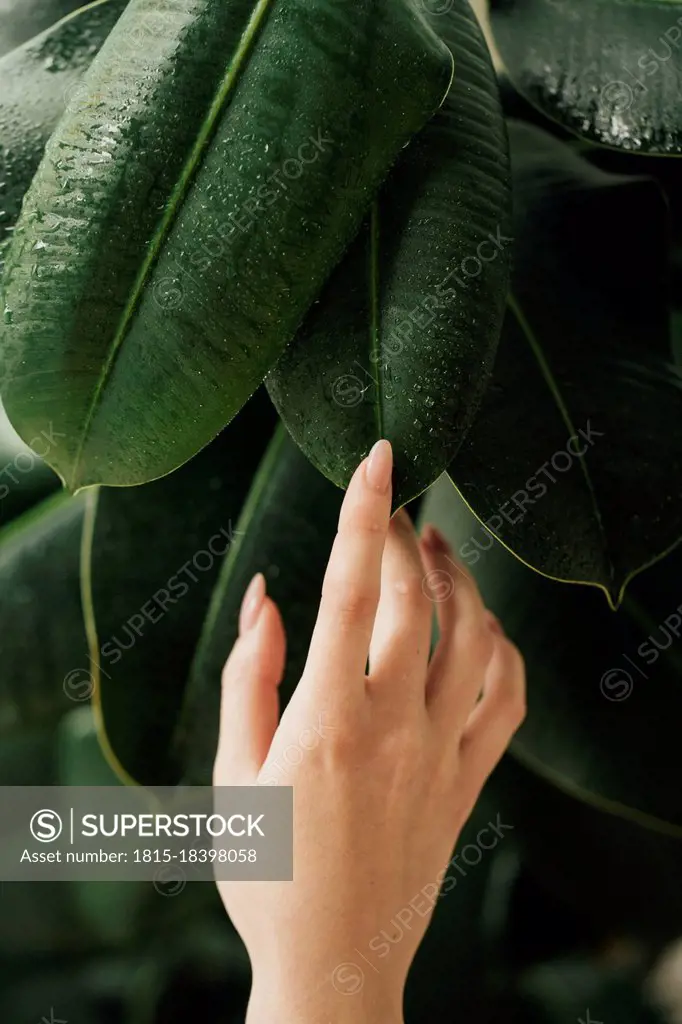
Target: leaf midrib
x: 193, y: 163
x: 553, y: 386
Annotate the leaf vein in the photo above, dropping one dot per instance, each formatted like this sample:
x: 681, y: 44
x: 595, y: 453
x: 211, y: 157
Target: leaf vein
x: 192, y: 165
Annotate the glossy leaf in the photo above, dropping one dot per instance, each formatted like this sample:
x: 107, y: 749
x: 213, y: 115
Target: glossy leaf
x: 604, y: 695
x: 152, y: 558
x: 609, y: 71
x: 190, y: 206
x: 23, y: 19
x: 615, y: 874
x: 402, y: 342
x: 36, y: 82
x: 286, y: 531
x: 584, y: 355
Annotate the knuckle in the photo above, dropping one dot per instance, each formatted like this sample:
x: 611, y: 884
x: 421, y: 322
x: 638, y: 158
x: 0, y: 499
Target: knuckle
x: 353, y: 606
x: 242, y: 671
x: 342, y: 743
x: 412, y: 594
x: 517, y: 712
x: 521, y: 710
x: 361, y: 520
x: 236, y: 664
x: 513, y: 707
x: 403, y: 746
x: 257, y: 675
x: 517, y: 666
x: 513, y: 692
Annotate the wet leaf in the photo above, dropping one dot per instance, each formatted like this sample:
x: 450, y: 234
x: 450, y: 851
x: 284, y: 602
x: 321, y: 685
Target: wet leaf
x: 609, y: 71
x: 575, y: 458
x: 402, y: 341
x: 191, y: 204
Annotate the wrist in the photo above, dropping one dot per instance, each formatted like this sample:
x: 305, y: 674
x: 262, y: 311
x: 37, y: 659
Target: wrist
x: 343, y: 997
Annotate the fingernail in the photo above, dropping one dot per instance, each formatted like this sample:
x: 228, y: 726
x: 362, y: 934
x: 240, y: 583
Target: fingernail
x: 379, y: 468
x: 427, y: 538
x: 252, y: 603
x: 434, y: 539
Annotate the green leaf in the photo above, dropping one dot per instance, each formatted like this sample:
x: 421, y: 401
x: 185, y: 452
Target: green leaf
x: 109, y: 910
x: 613, y: 874
x: 165, y: 569
x: 27, y: 759
x: 23, y: 19
x: 583, y: 355
x: 609, y: 70
x: 190, y: 206
x: 42, y: 640
x: 286, y: 531
x: 152, y: 556
x: 80, y: 761
x: 594, y: 677
x: 402, y: 342
x: 36, y: 82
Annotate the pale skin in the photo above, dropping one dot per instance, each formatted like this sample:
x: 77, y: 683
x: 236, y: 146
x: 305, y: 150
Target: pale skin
x: 396, y: 744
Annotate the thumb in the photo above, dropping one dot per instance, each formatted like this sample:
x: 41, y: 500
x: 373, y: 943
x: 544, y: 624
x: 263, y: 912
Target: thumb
x: 249, y: 712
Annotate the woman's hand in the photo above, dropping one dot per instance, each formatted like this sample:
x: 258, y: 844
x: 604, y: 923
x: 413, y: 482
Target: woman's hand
x: 392, y: 760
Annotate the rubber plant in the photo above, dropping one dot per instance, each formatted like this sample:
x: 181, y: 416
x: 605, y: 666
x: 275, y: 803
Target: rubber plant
x: 242, y: 241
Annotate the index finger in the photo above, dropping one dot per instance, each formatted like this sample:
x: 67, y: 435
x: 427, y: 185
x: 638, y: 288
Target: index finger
x: 352, y: 583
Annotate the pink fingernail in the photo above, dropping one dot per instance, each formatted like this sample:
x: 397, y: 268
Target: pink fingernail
x: 434, y: 539
x: 252, y: 603
x: 379, y: 467
x: 428, y: 537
